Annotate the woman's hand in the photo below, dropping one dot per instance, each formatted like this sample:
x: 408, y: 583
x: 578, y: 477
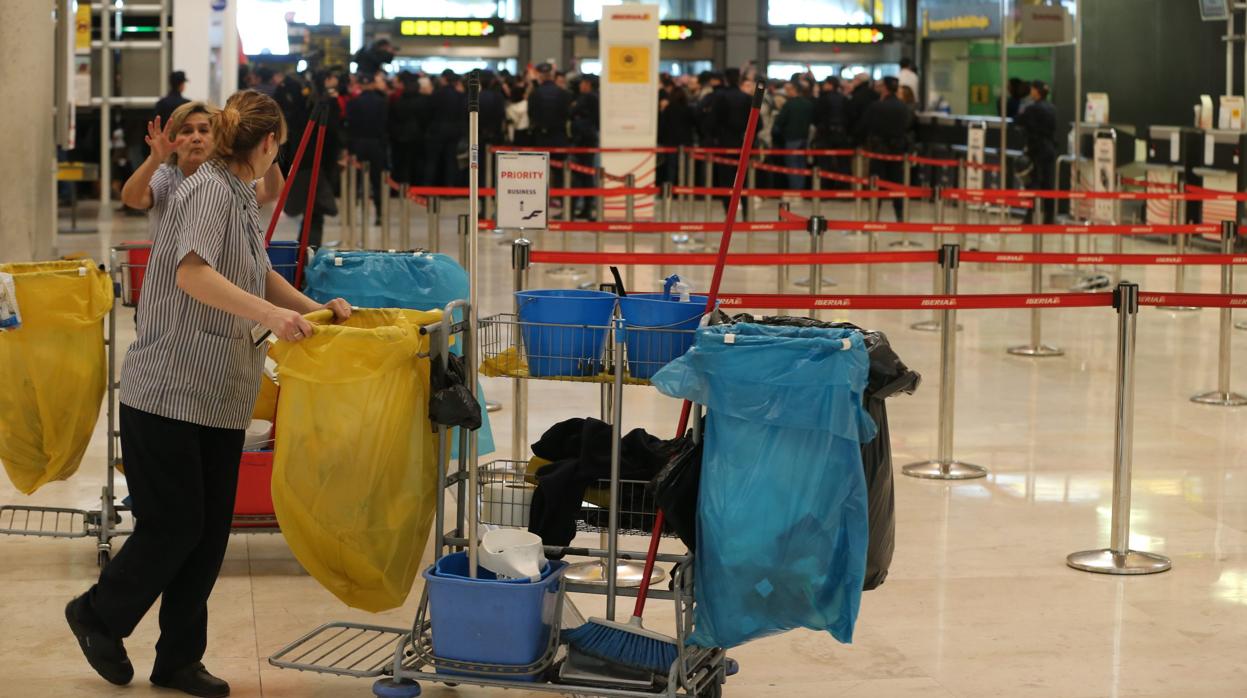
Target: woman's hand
x: 341, y: 309
x: 288, y: 325
x: 162, y: 141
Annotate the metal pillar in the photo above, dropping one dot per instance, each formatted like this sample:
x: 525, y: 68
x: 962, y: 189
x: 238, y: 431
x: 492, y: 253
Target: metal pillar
x: 709, y: 181
x: 491, y: 200
x: 783, y: 244
x: 1223, y: 396
x: 872, y: 238
x: 943, y: 467
x: 434, y: 237
x: 567, y: 184
x: 385, y: 209
x: 1036, y: 348
x: 346, y: 209
x: 404, y: 224
x: 365, y: 207
x: 816, y: 204
x: 1118, y: 558
x: 681, y: 179
x: 857, y: 184
x: 630, y: 216
x: 520, y: 250
x: 906, y: 203
x: 933, y: 325
x: 1179, y: 270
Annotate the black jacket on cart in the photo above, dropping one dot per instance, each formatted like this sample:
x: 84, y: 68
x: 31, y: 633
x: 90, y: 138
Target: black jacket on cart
x: 580, y: 455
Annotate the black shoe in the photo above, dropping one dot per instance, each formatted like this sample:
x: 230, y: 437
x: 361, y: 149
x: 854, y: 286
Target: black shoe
x: 105, y: 654
x: 194, y: 680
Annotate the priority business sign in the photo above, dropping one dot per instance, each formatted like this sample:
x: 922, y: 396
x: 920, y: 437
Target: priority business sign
x: 523, y: 190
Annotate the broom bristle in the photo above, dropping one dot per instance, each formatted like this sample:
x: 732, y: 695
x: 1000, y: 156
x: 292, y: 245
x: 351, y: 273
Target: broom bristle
x: 620, y: 645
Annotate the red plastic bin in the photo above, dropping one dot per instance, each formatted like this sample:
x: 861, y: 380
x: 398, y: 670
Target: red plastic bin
x: 137, y: 260
x: 255, y: 475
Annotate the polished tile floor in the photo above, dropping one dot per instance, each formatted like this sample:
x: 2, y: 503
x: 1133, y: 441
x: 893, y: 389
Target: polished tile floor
x: 979, y: 602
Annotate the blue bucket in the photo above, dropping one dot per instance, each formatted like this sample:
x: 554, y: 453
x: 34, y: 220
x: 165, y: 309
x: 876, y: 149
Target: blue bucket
x: 284, y: 255
x: 564, y: 330
x: 650, y: 350
x: 487, y: 620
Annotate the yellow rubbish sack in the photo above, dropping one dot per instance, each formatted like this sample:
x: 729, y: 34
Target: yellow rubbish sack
x: 55, y: 370
x: 355, y: 465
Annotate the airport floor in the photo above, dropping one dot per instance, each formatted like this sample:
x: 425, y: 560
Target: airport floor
x: 979, y: 602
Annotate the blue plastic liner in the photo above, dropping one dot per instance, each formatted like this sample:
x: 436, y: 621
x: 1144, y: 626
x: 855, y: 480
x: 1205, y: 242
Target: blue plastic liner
x: 564, y: 351
x: 419, y: 281
x: 782, y: 510
x: 284, y: 255
x: 650, y: 350
x: 489, y: 620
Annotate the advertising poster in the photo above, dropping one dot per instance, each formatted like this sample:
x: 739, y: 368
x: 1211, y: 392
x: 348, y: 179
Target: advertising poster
x: 1105, y: 177
x: 976, y: 147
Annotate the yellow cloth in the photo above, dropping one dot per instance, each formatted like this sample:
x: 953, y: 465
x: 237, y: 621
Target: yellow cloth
x: 507, y: 364
x: 54, y: 368
x: 355, y: 467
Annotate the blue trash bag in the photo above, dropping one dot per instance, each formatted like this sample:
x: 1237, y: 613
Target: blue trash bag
x: 782, y: 509
x: 419, y: 281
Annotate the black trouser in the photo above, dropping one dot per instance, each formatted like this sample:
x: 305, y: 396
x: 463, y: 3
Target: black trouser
x: 182, y: 479
x: 892, y: 172
x: 372, y: 151
x: 1043, y: 176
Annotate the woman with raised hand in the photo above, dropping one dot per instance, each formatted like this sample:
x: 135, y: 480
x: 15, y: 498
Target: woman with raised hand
x: 188, y: 387
x: 177, y: 151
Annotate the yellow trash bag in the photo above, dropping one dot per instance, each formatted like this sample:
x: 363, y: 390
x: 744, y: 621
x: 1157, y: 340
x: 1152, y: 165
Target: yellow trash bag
x: 54, y: 367
x: 355, y: 465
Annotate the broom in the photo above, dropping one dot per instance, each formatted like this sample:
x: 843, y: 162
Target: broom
x: 630, y: 644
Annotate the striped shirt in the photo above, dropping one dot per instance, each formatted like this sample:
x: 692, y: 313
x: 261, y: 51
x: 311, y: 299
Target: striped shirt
x: 190, y: 361
x: 163, y: 184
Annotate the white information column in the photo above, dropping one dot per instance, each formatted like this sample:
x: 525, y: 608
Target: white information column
x: 976, y: 146
x: 628, y: 38
x: 523, y: 190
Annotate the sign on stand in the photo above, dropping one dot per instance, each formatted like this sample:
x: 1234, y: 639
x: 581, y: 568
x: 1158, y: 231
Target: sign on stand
x: 1105, y: 176
x: 976, y: 146
x: 523, y: 190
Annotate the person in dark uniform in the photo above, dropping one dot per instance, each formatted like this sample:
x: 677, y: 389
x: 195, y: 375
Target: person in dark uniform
x: 884, y: 128
x: 409, y: 119
x: 549, y: 110
x: 367, y: 124
x: 1038, y: 120
x: 792, y: 128
x: 324, y: 90
x: 729, y: 115
x: 677, y: 126
x: 492, y: 117
x: 173, y: 100
x: 585, y: 114
x: 862, y: 94
x: 831, y: 126
x: 448, y: 125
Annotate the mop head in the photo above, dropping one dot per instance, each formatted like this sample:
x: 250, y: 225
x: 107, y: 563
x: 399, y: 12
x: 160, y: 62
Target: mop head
x: 627, y: 644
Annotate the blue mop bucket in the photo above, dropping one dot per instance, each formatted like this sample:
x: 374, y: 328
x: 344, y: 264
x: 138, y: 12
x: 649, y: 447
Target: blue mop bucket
x: 487, y: 620
x: 650, y: 350
x: 284, y: 255
x: 564, y: 330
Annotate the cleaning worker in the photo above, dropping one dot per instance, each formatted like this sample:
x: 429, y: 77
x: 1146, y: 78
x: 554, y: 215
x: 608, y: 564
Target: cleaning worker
x: 188, y: 386
x: 177, y: 151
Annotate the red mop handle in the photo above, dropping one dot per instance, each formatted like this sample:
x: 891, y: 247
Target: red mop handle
x: 742, y: 166
x: 311, y: 200
x: 294, y: 170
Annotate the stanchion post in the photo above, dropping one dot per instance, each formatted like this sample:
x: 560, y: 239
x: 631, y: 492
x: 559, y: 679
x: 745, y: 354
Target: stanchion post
x: 567, y: 184
x: 489, y: 182
x: 404, y: 226
x: 1118, y: 240
x: 664, y: 245
x: 1179, y: 270
x: 943, y: 467
x: 816, y: 204
x: 464, y: 249
x: 1118, y: 558
x: 1223, y: 396
x: 520, y: 251
x: 857, y: 184
x: 816, y: 226
x: 384, y: 197
x: 783, y: 244
x: 630, y: 236
x: 1036, y: 348
x: 435, y: 223
x: 365, y: 224
x: 906, y: 179
x: 681, y: 178
x: 933, y: 325
x: 344, y: 188
x: 709, y: 180
x: 872, y: 238
x: 751, y: 183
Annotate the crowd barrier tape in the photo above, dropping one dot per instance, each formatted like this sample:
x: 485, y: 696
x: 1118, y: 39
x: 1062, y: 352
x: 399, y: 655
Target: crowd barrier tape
x: 933, y: 162
x: 884, y: 157
x: 746, y: 260
x: 814, y: 152
x: 660, y: 227
x: 1193, y: 300
x: 840, y: 177
x: 1191, y: 194
x: 916, y: 302
x: 569, y: 150
x: 1110, y: 259
x: 1021, y: 229
x: 985, y: 166
x: 801, y: 193
x: 1163, y: 186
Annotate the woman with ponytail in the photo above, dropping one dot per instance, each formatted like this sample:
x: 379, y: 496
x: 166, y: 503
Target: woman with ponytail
x: 188, y: 387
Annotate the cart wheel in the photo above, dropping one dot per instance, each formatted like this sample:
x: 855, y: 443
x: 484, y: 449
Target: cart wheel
x: 103, y: 558
x: 714, y: 690
x: 733, y: 667
x: 395, y: 688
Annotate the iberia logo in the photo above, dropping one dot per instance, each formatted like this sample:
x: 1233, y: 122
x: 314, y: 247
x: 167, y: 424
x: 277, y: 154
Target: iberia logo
x: 640, y: 16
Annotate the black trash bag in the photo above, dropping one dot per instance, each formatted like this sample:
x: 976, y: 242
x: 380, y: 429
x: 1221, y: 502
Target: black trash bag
x: 675, y: 492
x: 452, y: 403
x: 888, y: 376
